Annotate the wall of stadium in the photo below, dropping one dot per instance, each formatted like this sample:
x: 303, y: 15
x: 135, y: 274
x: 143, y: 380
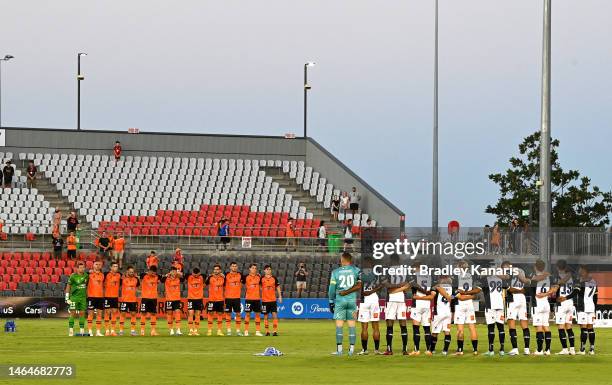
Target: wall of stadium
x: 43, y: 140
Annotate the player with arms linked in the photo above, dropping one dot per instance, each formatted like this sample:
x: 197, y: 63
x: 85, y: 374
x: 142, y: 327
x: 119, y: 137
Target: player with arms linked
x: 343, y: 285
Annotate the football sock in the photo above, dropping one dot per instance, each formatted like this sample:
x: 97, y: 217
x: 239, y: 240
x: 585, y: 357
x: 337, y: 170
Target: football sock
x: 228, y: 320
x: 82, y: 321
x: 98, y: 320
x: 153, y: 322
x: 389, y: 338
x: 169, y: 320
x: 547, y: 339
x: 447, y: 341
x: 570, y: 337
x: 376, y: 344
x: 133, y: 322
x: 459, y: 345
x: 113, y: 319
x: 266, y: 324
x: 339, y: 336
x: 416, y: 337
x: 238, y: 321
x: 71, y: 322
x: 563, y: 338
x: 583, y: 338
x: 275, y: 328
x: 364, y: 344
x: 526, y: 337
x: 177, y: 319
x: 404, y: 333
x: 210, y: 321
x: 247, y: 321
x: 432, y: 344
x: 352, y: 335
x: 143, y: 321
x: 513, y: 339
x: 89, y: 320
x: 257, y: 322
x: 427, y: 332
x: 196, y: 322
x: 491, y: 335
x: 502, y: 336
x: 539, y: 340
x: 219, y: 321
x: 121, y: 321
x: 475, y: 345
x: 592, y: 338
x: 106, y: 320
x: 190, y: 318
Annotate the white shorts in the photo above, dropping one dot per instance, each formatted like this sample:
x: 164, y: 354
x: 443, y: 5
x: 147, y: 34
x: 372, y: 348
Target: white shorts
x: 395, y: 311
x: 369, y: 312
x: 564, y: 314
x: 494, y: 316
x: 517, y: 311
x: 464, y: 315
x: 441, y: 323
x: 540, y: 317
x: 586, y: 318
x: 421, y: 315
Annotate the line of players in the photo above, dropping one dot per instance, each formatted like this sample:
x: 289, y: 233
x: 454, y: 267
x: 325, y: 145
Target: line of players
x: 115, y: 296
x: 451, y: 302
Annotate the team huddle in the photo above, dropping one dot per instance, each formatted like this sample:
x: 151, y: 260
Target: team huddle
x: 450, y: 301
x: 114, y: 296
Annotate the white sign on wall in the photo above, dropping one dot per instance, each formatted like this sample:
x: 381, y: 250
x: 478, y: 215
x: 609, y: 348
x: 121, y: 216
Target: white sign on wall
x: 2, y: 138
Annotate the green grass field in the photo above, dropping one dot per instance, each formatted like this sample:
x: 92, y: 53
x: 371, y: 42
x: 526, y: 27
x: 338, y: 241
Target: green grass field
x: 307, y: 346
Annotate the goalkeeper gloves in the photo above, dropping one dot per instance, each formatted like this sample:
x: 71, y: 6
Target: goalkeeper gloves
x: 331, y: 307
x: 68, y: 301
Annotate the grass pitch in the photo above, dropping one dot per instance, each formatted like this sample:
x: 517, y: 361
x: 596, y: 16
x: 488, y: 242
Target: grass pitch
x: 306, y: 345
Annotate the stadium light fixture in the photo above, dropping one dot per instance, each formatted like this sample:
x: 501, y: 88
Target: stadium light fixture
x: 434, y: 169
x: 306, y: 88
x: 6, y: 58
x: 80, y: 77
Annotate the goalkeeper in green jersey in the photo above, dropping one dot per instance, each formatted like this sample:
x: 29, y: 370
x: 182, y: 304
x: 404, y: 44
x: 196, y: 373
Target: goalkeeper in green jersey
x: 343, y: 286
x: 76, y: 298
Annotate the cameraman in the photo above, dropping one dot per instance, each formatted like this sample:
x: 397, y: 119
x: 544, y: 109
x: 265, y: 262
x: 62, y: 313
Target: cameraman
x: 300, y: 278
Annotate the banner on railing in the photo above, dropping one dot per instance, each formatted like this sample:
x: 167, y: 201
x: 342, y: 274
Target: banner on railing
x: 33, y: 307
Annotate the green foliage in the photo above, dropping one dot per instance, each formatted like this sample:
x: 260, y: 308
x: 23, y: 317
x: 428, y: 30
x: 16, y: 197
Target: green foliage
x: 575, y: 202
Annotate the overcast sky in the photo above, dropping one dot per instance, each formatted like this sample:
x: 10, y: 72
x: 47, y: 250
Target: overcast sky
x: 236, y: 67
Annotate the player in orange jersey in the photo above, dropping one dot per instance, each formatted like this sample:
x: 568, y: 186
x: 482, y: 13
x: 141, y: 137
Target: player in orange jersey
x: 129, y: 300
x: 215, y: 306
x: 269, y: 288
x: 112, y: 280
x: 252, y: 282
x: 95, y: 297
x: 148, y: 302
x: 233, y: 289
x: 195, y: 301
x: 152, y: 260
x: 172, y: 282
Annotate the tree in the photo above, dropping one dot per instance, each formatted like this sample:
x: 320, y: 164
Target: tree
x: 575, y: 202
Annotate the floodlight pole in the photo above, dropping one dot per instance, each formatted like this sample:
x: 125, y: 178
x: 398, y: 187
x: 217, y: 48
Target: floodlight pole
x: 545, y: 165
x: 79, y: 78
x: 6, y: 58
x: 434, y: 193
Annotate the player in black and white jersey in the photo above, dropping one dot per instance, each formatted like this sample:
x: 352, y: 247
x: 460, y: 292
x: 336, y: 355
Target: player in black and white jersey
x: 421, y: 311
x: 541, y: 310
x: 517, y: 308
x: 442, y: 314
x: 369, y: 308
x: 493, y: 287
x: 395, y: 308
x: 465, y: 292
x: 585, y: 299
x: 565, y: 311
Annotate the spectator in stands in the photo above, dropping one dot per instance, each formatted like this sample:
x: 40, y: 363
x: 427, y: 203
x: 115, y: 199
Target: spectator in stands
x: 335, y: 207
x: 71, y: 243
x: 57, y: 220
x: 300, y: 278
x: 117, y: 151
x: 512, y: 249
x: 367, y: 235
x: 152, y: 260
x: 8, y: 171
x: 290, y: 234
x: 2, y: 235
x: 495, y: 239
x: 322, y: 235
x: 348, y: 235
x: 344, y: 202
x: 104, y: 245
x: 58, y: 245
x: 119, y: 249
x: 354, y: 199
x: 72, y: 223
x: 31, y: 174
x: 224, y: 233
x: 177, y: 260
x: 111, y: 244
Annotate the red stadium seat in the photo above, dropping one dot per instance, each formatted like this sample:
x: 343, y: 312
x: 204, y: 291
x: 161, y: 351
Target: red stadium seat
x: 55, y: 278
x: 12, y: 286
